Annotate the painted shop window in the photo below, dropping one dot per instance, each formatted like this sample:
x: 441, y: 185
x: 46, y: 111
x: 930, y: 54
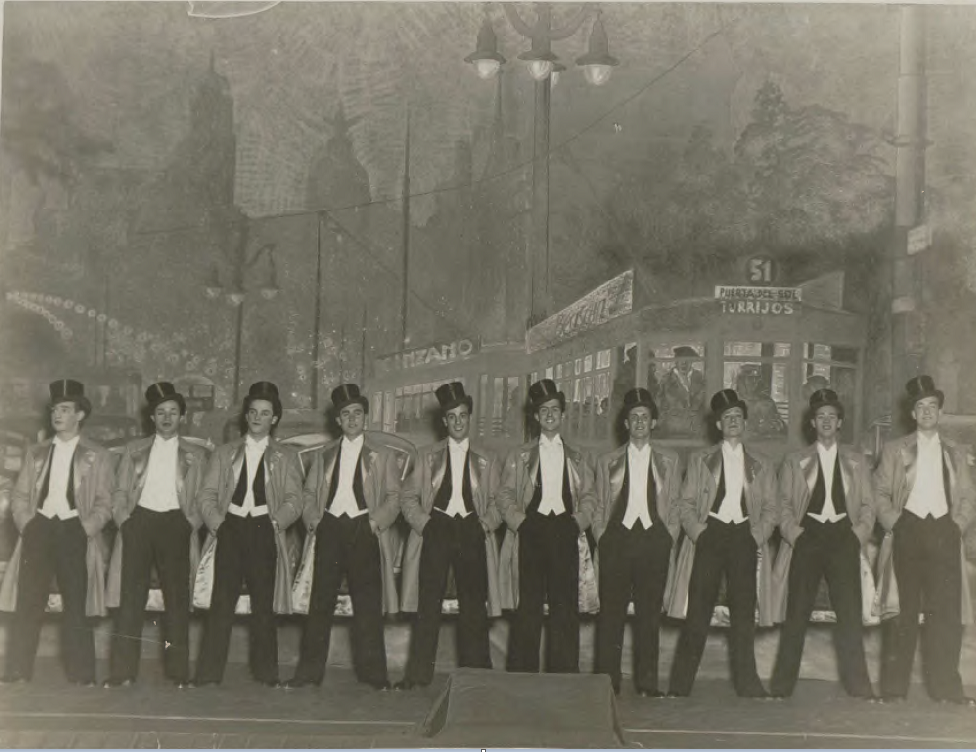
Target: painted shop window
x: 759, y: 372
x: 834, y: 367
x: 676, y: 379
x: 389, y: 413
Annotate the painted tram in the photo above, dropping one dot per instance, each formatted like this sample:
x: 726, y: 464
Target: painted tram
x: 775, y: 346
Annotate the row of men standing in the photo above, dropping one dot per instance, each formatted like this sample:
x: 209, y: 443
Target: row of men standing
x: 546, y: 493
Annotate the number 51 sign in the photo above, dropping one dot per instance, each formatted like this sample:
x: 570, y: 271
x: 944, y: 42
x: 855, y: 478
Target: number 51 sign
x: 761, y: 270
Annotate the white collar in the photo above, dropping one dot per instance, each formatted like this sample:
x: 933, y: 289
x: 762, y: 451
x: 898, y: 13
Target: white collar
x: 70, y: 443
x: 253, y: 445
x: 728, y: 449
x: 550, y: 443
x: 356, y: 443
x: 642, y: 452
x: 458, y: 446
x: 157, y: 439
x: 825, y: 452
x: 935, y: 441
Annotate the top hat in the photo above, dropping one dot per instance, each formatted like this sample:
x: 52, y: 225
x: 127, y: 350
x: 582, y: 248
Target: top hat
x: 162, y: 392
x: 725, y: 400
x: 683, y: 351
x: 543, y: 391
x: 823, y: 398
x: 921, y: 387
x: 451, y: 395
x: 345, y: 394
x: 69, y: 390
x: 639, y: 397
x: 263, y: 390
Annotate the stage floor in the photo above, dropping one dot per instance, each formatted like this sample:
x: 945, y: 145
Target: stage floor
x: 344, y: 714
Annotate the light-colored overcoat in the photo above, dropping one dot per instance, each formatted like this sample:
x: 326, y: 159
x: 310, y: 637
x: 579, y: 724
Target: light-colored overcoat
x: 519, y: 474
x: 894, y: 480
x: 611, y: 469
x: 384, y: 470
x: 417, y: 502
x: 797, y: 479
x: 130, y: 479
x: 698, y: 493
x: 93, y: 467
x: 283, y: 493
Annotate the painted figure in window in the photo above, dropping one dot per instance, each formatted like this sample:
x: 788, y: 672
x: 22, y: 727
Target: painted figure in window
x: 764, y: 418
x: 683, y: 393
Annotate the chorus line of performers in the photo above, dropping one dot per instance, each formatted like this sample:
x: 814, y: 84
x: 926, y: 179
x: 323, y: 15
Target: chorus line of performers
x: 666, y: 536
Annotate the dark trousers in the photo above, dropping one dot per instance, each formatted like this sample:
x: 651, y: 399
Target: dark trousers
x: 52, y: 547
x: 633, y: 563
x: 548, y: 570
x: 459, y: 543
x: 246, y: 553
x: 929, y: 572
x: 722, y: 548
x: 345, y: 546
x: 830, y: 550
x: 163, y: 538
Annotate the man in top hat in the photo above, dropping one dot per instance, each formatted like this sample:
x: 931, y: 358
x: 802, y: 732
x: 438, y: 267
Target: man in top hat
x: 728, y: 512
x: 826, y: 517
x: 635, y: 511
x: 62, y: 500
x: 251, y: 493
x: 450, y: 506
x: 539, y: 500
x: 926, y: 501
x: 154, y: 506
x: 352, y: 498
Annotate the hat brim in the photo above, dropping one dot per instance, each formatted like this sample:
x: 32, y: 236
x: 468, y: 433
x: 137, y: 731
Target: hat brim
x: 738, y: 403
x: 466, y: 400
x: 360, y: 400
x: 814, y: 406
x: 536, y: 404
x: 84, y: 404
x: 938, y: 393
x: 177, y: 398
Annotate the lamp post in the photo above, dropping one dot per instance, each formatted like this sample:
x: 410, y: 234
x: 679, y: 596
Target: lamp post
x: 543, y: 66
x: 242, y: 262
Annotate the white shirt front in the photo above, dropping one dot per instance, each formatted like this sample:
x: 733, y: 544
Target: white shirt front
x: 828, y: 465
x: 254, y: 454
x: 56, y: 503
x: 344, y: 502
x: 551, y: 460
x: 929, y: 495
x: 734, y: 467
x: 159, y: 490
x: 638, y: 466
x: 457, y: 456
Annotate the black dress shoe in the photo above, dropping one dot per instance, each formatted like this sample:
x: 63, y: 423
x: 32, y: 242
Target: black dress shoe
x: 13, y: 679
x: 299, y: 683
x: 272, y: 683
x: 674, y: 695
x: 182, y: 684
x: 197, y: 683
x: 384, y: 686
x: 117, y: 683
x: 891, y: 699
x: 650, y: 693
x: 967, y: 702
x: 778, y: 696
x: 85, y: 683
x: 406, y: 685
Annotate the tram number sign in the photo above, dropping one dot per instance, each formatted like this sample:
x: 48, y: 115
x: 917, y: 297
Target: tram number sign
x: 775, y: 301
x: 761, y: 270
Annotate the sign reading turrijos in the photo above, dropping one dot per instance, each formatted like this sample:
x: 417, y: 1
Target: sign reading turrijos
x: 613, y: 298
x: 775, y: 301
